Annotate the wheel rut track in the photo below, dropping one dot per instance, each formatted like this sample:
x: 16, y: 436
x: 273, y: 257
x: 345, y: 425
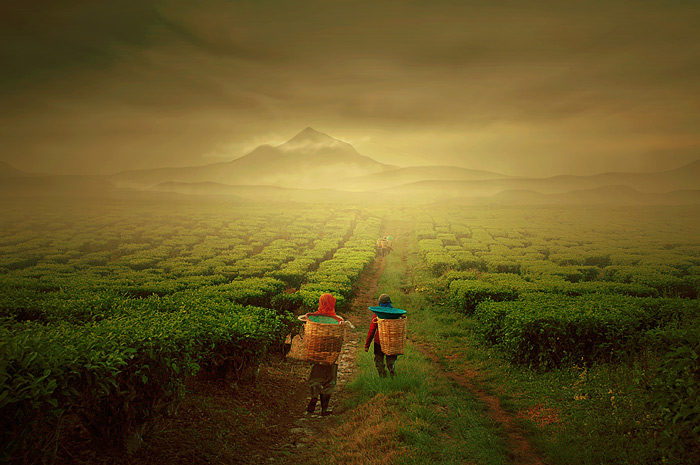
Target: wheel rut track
x: 521, y: 451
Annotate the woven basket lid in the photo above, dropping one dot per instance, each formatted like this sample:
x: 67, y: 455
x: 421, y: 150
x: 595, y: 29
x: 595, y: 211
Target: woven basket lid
x: 331, y: 320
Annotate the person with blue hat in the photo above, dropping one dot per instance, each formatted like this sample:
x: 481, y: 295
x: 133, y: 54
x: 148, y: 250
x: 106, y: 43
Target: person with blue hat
x: 373, y: 333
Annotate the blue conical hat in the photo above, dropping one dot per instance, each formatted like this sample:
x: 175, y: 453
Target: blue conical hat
x: 387, y: 313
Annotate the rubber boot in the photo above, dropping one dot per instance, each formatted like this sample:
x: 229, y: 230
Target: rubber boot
x: 312, y: 405
x: 379, y: 363
x: 325, y: 411
x: 391, y: 363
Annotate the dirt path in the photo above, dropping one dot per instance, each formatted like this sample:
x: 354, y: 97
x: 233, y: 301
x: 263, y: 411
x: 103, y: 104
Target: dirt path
x: 302, y: 427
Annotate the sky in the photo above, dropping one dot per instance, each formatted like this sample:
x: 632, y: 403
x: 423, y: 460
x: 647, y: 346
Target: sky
x: 530, y: 88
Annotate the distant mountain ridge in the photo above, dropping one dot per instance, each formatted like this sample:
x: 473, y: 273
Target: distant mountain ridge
x: 683, y: 178
x: 9, y: 171
x: 55, y: 186
x: 315, y: 167
x: 609, y: 195
x: 411, y: 174
x: 310, y: 159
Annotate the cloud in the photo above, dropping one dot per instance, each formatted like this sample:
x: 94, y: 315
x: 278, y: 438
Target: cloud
x: 100, y: 86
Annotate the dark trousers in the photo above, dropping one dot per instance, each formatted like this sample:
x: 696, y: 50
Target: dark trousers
x: 379, y: 358
x: 323, y: 378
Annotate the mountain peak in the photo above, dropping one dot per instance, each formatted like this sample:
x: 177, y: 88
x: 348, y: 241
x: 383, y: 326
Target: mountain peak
x: 311, y: 135
x: 312, y: 141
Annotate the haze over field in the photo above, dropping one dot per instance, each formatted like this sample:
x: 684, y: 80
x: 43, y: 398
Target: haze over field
x: 315, y: 167
x: 538, y: 88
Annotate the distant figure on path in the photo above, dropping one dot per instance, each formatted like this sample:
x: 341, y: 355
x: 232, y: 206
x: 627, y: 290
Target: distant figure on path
x: 373, y: 333
x: 384, y: 246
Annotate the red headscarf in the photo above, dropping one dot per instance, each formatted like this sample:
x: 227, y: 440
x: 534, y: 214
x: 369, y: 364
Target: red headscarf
x: 326, y: 305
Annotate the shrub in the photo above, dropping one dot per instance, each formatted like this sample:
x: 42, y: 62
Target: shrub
x: 675, y: 386
x: 465, y: 295
x: 119, y: 374
x: 549, y: 330
x: 439, y: 262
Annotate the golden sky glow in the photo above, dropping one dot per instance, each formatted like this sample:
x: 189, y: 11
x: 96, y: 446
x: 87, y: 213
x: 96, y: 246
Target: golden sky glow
x: 524, y: 88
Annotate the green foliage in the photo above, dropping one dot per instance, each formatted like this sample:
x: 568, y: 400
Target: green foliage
x: 122, y: 372
x: 426, y: 234
x: 465, y: 295
x: 499, y: 265
x: 339, y: 275
x: 439, y: 262
x: 464, y: 260
x: 549, y: 330
x: 437, y: 258
x: 675, y: 382
x: 103, y: 319
x: 459, y: 275
x: 657, y: 277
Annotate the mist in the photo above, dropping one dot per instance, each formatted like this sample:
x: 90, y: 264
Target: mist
x: 582, y: 88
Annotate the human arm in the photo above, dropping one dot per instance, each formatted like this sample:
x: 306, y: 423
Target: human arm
x: 371, y: 333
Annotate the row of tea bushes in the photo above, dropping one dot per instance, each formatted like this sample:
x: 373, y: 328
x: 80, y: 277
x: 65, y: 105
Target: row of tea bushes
x: 116, y: 339
x: 666, y: 260
x: 294, y: 272
x: 547, y: 330
x: 49, y: 291
x: 468, y: 289
x: 80, y: 306
x: 675, y: 378
x: 552, y: 287
x: 340, y: 274
x: 333, y: 235
x: 118, y: 375
x: 179, y: 246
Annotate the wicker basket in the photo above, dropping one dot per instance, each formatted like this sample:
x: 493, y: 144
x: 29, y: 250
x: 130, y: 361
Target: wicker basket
x: 322, y: 342
x: 392, y: 335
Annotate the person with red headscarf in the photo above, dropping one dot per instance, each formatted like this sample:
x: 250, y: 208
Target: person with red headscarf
x: 326, y: 305
x: 323, y: 378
